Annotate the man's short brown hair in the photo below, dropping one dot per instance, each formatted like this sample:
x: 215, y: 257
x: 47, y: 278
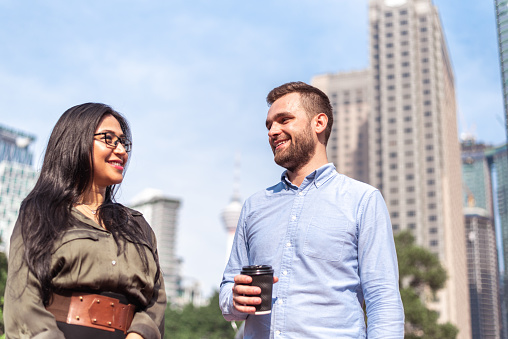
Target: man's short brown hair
x: 313, y: 100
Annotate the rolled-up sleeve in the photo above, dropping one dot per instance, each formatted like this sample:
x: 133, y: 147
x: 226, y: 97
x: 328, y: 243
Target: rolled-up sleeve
x: 379, y: 270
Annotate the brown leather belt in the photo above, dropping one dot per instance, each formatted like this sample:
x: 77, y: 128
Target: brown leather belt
x: 92, y: 310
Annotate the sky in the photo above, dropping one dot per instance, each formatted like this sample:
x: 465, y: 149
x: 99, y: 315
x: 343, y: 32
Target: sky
x: 192, y: 76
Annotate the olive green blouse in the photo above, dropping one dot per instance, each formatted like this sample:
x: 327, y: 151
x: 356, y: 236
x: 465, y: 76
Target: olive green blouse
x: 85, y: 258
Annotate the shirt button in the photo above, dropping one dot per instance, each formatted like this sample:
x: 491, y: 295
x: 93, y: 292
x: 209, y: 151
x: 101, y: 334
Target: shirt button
x: 318, y: 184
x: 277, y: 332
x: 293, y: 217
x: 285, y: 272
x: 301, y: 193
x: 288, y: 244
x: 113, y: 263
x: 280, y: 302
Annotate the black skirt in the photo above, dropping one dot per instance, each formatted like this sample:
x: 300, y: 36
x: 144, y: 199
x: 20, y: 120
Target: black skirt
x: 83, y: 332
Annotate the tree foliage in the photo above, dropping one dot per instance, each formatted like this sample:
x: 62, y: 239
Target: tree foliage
x: 420, y: 271
x: 3, y: 280
x: 198, y: 322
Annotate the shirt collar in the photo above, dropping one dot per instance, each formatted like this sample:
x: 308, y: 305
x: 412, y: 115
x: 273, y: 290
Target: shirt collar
x: 317, y: 177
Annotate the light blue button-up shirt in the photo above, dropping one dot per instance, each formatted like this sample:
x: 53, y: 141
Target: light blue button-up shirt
x: 331, y: 244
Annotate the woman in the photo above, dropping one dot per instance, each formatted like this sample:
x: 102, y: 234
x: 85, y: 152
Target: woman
x: 81, y: 265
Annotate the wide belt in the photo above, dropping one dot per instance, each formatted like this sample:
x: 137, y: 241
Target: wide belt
x: 92, y: 310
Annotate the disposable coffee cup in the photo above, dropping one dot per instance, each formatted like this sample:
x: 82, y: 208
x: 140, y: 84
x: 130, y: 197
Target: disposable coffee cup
x: 262, y: 276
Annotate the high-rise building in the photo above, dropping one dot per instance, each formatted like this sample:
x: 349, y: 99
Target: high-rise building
x: 17, y: 178
x: 413, y: 146
x: 482, y: 260
x: 498, y: 160
x: 502, y: 35
x: 161, y: 213
x: 347, y: 147
x: 483, y: 280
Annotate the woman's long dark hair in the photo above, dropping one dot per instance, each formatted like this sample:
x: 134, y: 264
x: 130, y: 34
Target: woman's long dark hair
x: 66, y: 174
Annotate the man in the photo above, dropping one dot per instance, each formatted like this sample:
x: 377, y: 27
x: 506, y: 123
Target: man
x: 328, y: 238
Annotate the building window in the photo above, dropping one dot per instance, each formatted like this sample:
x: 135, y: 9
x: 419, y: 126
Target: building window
x: 395, y: 214
x: 428, y: 113
x: 431, y: 182
x: 412, y: 226
x: 430, y: 170
x: 431, y: 194
x: 411, y: 213
x: 408, y: 130
x: 394, y: 190
x: 410, y: 189
x: 433, y: 230
x: 433, y: 243
x: 432, y: 218
x: 410, y: 177
x: 406, y: 75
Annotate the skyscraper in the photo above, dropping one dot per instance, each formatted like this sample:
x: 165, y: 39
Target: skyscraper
x: 347, y: 147
x: 413, y: 146
x: 161, y: 213
x: 502, y: 34
x: 17, y: 178
x: 482, y: 261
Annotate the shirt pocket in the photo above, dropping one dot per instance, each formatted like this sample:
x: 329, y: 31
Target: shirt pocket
x: 75, y: 234
x: 325, y: 238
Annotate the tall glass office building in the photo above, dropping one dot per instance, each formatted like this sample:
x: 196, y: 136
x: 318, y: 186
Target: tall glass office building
x: 502, y: 33
x: 17, y: 177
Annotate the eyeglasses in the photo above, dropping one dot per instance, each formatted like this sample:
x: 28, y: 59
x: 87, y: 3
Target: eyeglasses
x: 112, y: 140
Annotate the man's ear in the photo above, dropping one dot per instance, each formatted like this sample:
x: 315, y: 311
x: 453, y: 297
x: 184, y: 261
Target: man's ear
x: 320, y: 122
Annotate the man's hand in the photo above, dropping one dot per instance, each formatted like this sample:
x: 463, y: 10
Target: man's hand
x: 244, y: 297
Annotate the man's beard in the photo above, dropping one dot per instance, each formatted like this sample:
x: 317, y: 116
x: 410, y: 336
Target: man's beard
x: 299, y: 152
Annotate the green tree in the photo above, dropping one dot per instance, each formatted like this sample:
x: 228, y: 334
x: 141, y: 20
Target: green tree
x: 420, y: 272
x: 198, y: 322
x: 3, y: 280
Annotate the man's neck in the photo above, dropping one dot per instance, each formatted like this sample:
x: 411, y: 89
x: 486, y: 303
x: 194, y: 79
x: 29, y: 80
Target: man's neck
x: 299, y: 175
